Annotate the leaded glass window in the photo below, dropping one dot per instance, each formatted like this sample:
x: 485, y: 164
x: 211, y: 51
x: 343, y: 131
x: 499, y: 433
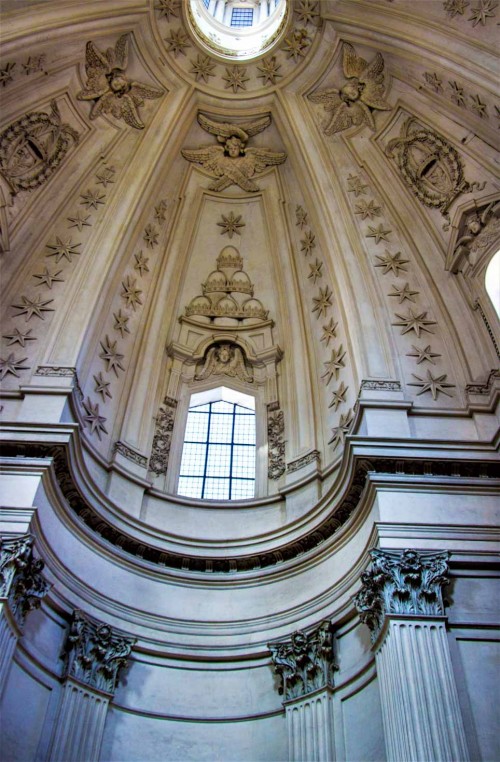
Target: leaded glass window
x: 218, y: 456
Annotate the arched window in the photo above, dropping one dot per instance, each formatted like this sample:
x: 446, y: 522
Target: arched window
x: 492, y: 281
x: 218, y: 455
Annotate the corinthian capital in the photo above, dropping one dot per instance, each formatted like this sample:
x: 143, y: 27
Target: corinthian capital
x: 94, y: 654
x: 408, y: 583
x: 305, y: 662
x: 21, y: 581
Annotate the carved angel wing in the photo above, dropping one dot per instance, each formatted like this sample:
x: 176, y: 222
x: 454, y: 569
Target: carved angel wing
x: 373, y: 80
x: 128, y: 111
x: 329, y: 98
x: 256, y: 126
x: 257, y: 159
x: 120, y: 53
x: 94, y: 59
x: 96, y: 68
x: 353, y: 65
x: 210, y: 157
x: 221, y: 129
x: 138, y: 91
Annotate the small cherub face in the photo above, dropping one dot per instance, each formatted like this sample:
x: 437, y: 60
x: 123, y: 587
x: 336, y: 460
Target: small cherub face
x: 234, y: 147
x: 351, y: 90
x: 224, y: 354
x: 474, y: 225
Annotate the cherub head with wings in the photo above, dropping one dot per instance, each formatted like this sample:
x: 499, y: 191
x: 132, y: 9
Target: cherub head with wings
x: 363, y: 92
x: 232, y: 163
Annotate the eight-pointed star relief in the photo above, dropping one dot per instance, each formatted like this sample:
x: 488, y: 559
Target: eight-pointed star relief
x: 11, y: 365
x: 340, y: 432
x: 96, y: 422
x: 433, y: 384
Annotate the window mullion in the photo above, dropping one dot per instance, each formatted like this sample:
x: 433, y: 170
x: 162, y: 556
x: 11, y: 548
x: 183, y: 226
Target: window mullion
x: 206, y: 450
x: 231, y: 456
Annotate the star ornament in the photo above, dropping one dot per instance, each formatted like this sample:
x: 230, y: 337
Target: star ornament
x: 177, y: 41
x: 338, y: 396
x: 484, y: 10
x: 105, y: 176
x: 141, y: 263
x: 230, y: 224
x: 110, y: 355
x: 329, y: 331
x: 96, y: 422
x: 151, y: 236
x: 63, y: 249
x: 300, y: 217
x: 11, y: 365
x: 307, y: 11
x: 78, y: 221
x: 102, y: 387
x: 269, y: 70
x: 316, y: 271
x: 130, y: 293
x: 423, y: 354
x: 308, y: 243
x: 47, y: 278
x: 413, y: 322
x: 479, y: 107
x: 433, y: 80
x: 6, y: 74
x: 203, y: 67
x: 92, y: 199
x: 334, y: 364
x: 323, y: 301
x: 235, y: 77
x: 340, y: 432
x: 368, y: 209
x: 392, y: 263
x: 403, y: 292
x: 160, y: 209
x: 378, y: 233
x: 296, y: 44
x: 455, y: 7
x: 457, y: 94
x: 433, y: 384
x: 121, y: 322
x: 36, y: 306
x: 19, y: 337
x: 168, y: 8
x: 354, y: 185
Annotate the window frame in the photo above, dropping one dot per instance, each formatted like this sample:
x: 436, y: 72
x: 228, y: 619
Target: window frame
x: 177, y: 442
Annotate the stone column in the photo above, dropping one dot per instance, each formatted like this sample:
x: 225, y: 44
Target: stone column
x: 401, y: 602
x: 21, y: 589
x: 94, y: 655
x: 305, y: 665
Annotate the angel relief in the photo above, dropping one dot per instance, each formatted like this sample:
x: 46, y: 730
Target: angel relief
x: 353, y: 104
x: 225, y: 360
x: 232, y: 162
x: 109, y: 88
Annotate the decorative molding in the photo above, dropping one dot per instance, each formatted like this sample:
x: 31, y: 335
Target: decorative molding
x: 108, y: 87
x: 60, y: 371
x: 483, y: 388
x: 304, y: 663
x: 21, y: 581
x: 162, y: 439
x: 131, y: 454
x: 311, y: 457
x: 376, y: 385
x: 354, y: 103
x: 477, y: 306
x: 438, y: 181
x: 408, y: 583
x: 276, y: 443
x: 320, y: 534
x: 33, y: 147
x: 94, y: 654
x: 233, y: 163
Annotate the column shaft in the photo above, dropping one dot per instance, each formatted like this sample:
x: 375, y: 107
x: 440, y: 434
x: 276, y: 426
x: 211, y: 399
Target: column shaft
x: 8, y: 641
x: 310, y: 728
x: 422, y: 718
x: 79, y: 726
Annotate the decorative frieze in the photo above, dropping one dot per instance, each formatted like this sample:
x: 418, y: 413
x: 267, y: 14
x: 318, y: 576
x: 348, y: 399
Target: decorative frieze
x: 311, y: 457
x: 94, y: 654
x: 131, y: 454
x: 162, y: 439
x: 408, y: 583
x: 21, y: 581
x: 304, y: 663
x: 379, y: 385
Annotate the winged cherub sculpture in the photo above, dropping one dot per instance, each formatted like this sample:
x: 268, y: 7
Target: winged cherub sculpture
x: 363, y: 92
x: 232, y: 162
x: 109, y: 88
